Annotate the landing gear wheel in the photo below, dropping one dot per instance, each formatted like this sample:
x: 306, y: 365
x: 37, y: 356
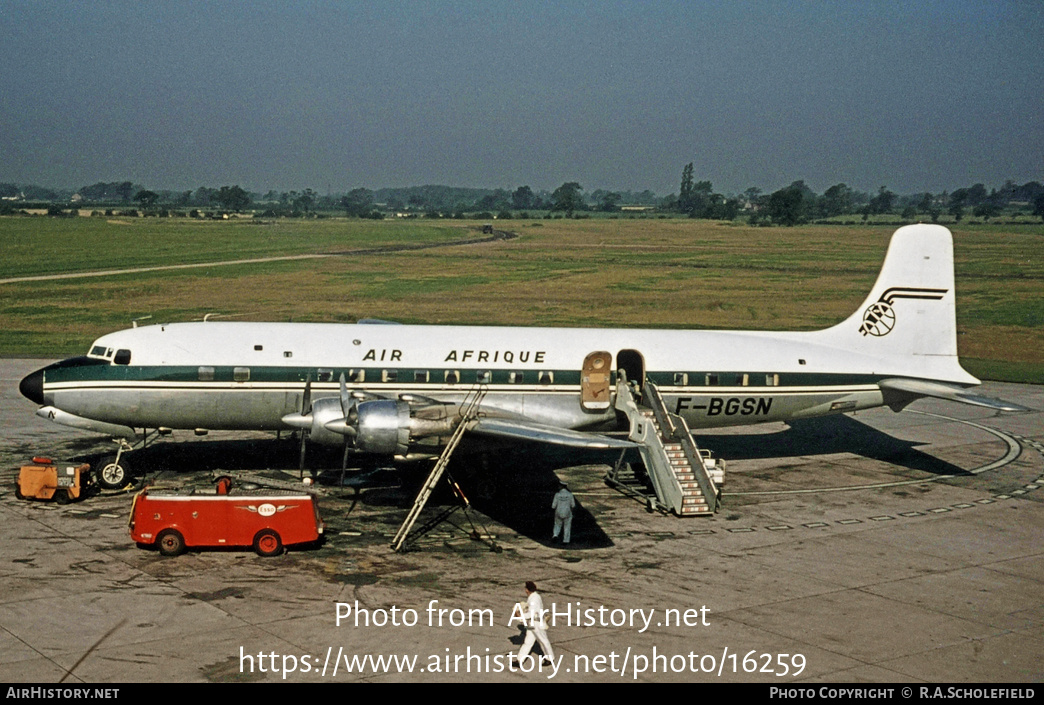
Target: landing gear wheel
x: 114, y: 475
x: 170, y: 542
x: 267, y: 543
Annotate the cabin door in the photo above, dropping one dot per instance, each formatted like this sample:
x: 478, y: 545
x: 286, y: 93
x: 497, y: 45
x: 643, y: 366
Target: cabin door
x: 632, y: 364
x: 596, y: 381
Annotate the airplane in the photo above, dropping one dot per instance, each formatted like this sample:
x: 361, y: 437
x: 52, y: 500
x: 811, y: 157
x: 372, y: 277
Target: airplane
x: 402, y: 391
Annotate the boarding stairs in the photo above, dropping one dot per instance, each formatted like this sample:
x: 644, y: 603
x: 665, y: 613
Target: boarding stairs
x: 469, y: 410
x: 686, y: 480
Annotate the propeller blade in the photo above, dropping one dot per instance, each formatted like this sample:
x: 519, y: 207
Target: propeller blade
x: 306, y: 400
x: 301, y: 458
x: 346, y: 399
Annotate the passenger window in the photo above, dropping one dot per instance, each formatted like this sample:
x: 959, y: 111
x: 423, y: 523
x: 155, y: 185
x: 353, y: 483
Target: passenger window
x: 680, y: 379
x: 389, y: 375
x: 452, y: 376
x: 712, y: 380
x: 326, y: 375
x: 517, y: 377
x: 772, y: 380
x: 356, y: 375
x: 483, y: 376
x: 123, y: 357
x: 547, y: 377
x: 420, y: 376
x: 206, y: 374
x: 241, y: 374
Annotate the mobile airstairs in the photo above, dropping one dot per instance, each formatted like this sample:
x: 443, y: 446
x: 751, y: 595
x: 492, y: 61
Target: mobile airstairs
x: 686, y: 480
x: 404, y: 538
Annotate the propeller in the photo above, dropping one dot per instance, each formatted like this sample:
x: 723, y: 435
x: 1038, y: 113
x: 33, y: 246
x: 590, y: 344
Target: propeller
x: 345, y: 425
x: 302, y: 420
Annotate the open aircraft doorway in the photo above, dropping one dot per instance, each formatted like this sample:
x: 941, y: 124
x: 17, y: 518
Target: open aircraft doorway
x: 632, y: 363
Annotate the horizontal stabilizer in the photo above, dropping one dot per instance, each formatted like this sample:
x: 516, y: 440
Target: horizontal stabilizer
x: 924, y: 388
x: 516, y: 429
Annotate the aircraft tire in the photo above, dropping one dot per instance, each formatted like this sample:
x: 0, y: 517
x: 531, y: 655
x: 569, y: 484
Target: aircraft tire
x: 267, y: 543
x: 62, y: 496
x: 170, y: 542
x: 113, y: 476
x: 18, y: 490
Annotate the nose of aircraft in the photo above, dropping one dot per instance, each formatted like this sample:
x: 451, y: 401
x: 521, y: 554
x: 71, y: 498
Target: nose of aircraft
x: 31, y: 387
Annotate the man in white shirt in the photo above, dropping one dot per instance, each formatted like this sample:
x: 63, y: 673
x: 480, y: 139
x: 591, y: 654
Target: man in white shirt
x: 536, y: 625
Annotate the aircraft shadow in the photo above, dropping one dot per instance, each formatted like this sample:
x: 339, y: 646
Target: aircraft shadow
x: 827, y: 435
x: 515, y: 492
x: 208, y: 456
x: 525, y: 482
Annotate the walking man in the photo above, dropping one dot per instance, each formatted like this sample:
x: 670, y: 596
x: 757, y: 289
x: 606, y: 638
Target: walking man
x: 536, y: 624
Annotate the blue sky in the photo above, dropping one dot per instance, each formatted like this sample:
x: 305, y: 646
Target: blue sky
x: 918, y: 96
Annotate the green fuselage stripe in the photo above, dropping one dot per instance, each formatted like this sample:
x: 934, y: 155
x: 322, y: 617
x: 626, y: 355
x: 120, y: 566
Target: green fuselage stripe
x: 95, y: 375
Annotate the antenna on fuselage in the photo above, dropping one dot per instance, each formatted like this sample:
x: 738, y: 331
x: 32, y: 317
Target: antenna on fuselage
x: 134, y: 321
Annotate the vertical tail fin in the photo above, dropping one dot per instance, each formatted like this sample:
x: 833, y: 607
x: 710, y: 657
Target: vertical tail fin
x: 911, y: 310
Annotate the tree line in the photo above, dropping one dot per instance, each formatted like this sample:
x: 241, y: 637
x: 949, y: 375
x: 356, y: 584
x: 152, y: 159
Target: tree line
x: 791, y: 205
x: 797, y: 203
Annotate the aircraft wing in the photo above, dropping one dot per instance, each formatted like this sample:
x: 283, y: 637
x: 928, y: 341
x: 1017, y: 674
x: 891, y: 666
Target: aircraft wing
x: 924, y: 388
x: 519, y: 429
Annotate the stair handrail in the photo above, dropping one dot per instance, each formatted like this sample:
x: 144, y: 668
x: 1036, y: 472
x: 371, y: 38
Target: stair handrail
x: 678, y: 430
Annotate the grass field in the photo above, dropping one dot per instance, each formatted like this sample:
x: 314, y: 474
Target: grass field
x: 598, y: 272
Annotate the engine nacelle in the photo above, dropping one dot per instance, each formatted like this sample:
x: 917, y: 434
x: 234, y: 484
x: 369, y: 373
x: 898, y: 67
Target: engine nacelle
x: 383, y: 427
x: 325, y: 411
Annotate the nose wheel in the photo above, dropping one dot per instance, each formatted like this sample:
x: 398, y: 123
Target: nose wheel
x: 115, y: 472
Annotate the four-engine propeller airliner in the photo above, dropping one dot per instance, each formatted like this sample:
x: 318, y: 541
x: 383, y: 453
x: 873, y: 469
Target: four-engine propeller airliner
x: 396, y: 390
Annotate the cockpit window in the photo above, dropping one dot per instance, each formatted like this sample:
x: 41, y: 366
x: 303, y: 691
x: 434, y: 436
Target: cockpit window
x: 97, y: 351
x: 123, y: 357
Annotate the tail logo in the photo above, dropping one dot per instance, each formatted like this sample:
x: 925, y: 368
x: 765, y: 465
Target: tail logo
x: 879, y: 317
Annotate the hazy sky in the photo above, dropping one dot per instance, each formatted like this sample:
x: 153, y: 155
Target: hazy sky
x: 925, y: 95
